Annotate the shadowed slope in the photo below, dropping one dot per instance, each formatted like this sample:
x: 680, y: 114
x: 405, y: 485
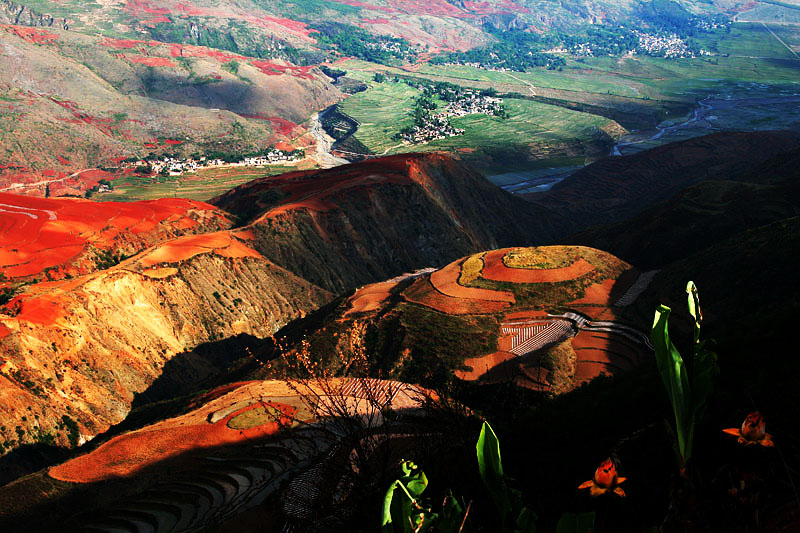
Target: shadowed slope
x: 331, y: 226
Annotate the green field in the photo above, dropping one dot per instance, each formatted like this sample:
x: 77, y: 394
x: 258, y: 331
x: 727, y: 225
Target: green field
x: 532, y: 130
x: 202, y: 185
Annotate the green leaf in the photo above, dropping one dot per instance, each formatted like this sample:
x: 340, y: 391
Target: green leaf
x: 575, y: 523
x: 526, y: 521
x: 417, y: 484
x: 386, y: 515
x: 490, y: 467
x: 693, y: 299
x: 676, y: 382
x: 452, y: 515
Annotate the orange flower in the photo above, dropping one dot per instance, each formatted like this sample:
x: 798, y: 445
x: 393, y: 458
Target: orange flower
x: 753, y: 431
x: 605, y: 480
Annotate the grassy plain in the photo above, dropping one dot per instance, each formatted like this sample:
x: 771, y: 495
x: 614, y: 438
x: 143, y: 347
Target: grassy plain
x: 202, y: 185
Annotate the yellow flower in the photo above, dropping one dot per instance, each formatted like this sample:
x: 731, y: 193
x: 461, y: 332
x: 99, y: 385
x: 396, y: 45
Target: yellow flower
x: 605, y: 480
x: 753, y: 431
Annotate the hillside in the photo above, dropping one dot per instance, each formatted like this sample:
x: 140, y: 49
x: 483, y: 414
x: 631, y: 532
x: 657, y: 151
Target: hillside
x: 547, y: 318
x: 373, y: 220
x: 228, y: 451
x: 85, y: 344
x: 72, y: 102
x: 617, y: 188
x: 82, y: 349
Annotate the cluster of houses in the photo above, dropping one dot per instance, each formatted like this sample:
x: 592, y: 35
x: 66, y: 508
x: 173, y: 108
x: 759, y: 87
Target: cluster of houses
x: 176, y: 166
x: 669, y: 46
x: 472, y: 103
x: 438, y: 126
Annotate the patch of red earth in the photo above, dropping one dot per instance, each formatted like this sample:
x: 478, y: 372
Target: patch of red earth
x: 300, y: 28
x: 39, y: 233
x: 38, y: 310
x: 172, y: 142
x: 423, y: 293
x: 146, y: 13
x: 494, y: 269
x: 445, y: 280
x: 275, y: 69
x: 123, y: 44
x: 314, y: 190
x: 371, y: 297
x: 483, y: 365
x: 64, y: 161
x: 133, y: 452
x: 217, y: 393
x: 220, y: 243
x: 150, y: 61
x: 150, y: 145
x: 284, y: 146
x: 598, y: 353
x: 280, y: 125
x: 438, y: 8
x: 188, y: 50
x: 31, y: 35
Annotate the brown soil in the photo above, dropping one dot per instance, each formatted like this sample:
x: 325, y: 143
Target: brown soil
x: 494, y: 269
x: 445, y: 281
x: 423, y: 293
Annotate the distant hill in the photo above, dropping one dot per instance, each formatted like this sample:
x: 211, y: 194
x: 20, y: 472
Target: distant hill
x: 72, y: 101
x: 618, y: 188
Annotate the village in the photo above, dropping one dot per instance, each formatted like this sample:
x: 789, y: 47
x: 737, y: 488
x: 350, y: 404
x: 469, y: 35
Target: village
x: 462, y: 102
x: 172, y: 166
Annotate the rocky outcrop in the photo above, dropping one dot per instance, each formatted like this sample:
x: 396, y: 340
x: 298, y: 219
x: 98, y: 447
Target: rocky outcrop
x: 13, y: 13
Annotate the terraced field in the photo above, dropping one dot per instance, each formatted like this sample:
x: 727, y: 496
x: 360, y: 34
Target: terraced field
x: 224, y: 460
x: 588, y: 288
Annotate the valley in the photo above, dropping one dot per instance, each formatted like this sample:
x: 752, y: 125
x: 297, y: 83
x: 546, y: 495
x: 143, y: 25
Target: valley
x: 272, y: 265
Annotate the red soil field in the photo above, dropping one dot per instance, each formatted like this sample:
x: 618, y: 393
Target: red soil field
x: 524, y: 315
x: 150, y: 61
x: 483, y: 365
x: 274, y: 69
x: 221, y: 243
x: 188, y: 50
x: 428, y: 7
x: 446, y: 281
x: 597, y: 353
x: 110, y: 42
x: 314, y: 190
x: 494, y: 269
x: 370, y: 297
x: 423, y: 293
x: 132, y: 452
x: 63, y: 160
x: 32, y: 35
x: 172, y: 142
x: 280, y: 125
x: 146, y: 13
x: 39, y: 233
